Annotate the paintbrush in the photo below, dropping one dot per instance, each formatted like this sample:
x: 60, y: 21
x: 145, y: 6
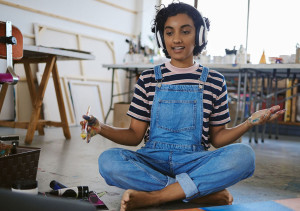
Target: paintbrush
x: 84, y: 127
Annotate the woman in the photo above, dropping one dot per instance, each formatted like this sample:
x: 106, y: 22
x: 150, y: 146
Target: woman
x: 185, y: 107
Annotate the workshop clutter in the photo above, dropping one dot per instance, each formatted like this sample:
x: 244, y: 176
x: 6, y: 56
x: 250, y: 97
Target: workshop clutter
x: 241, y: 56
x: 283, y: 59
x: 232, y: 56
x: 297, y: 57
x: 82, y: 193
x: 251, y: 105
x: 287, y: 59
x: 138, y: 54
x: 234, y: 103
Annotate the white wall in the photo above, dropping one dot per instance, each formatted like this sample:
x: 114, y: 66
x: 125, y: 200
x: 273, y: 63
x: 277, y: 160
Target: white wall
x: 88, y: 17
x: 148, y: 14
x: 86, y: 11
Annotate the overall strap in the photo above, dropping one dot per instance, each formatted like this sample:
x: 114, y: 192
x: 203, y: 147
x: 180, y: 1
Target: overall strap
x: 203, y: 78
x: 158, y: 75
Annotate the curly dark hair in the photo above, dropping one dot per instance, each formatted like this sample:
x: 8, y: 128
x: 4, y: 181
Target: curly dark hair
x: 174, y: 9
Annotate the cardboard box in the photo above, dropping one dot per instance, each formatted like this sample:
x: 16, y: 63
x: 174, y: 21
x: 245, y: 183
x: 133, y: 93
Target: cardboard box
x: 121, y: 119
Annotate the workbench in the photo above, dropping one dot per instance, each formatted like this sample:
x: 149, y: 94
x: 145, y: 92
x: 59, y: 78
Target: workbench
x: 41, y: 54
x: 245, y: 74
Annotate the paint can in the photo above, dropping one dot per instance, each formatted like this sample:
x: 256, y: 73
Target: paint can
x: 25, y: 186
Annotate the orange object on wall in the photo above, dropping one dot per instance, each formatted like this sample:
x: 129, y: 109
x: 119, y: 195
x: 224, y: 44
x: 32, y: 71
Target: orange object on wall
x: 16, y: 49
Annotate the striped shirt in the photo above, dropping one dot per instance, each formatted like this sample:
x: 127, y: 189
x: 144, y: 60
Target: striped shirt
x: 215, y: 102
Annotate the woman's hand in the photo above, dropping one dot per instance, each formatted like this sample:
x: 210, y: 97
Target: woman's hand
x: 93, y: 127
x: 265, y: 115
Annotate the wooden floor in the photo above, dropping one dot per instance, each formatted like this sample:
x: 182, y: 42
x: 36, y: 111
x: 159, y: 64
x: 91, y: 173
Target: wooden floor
x: 74, y: 162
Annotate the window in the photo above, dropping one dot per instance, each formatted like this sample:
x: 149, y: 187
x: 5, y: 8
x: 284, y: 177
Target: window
x: 273, y: 26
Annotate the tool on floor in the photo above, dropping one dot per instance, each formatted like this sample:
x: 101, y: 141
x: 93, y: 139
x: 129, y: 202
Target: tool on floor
x: 84, y: 127
x: 56, y: 185
x: 83, y: 193
x: 72, y: 192
x: 96, y: 201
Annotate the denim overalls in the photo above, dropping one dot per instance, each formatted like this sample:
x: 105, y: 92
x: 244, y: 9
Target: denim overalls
x: 174, y: 152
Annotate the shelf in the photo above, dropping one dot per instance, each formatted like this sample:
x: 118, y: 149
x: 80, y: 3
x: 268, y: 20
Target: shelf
x: 289, y: 123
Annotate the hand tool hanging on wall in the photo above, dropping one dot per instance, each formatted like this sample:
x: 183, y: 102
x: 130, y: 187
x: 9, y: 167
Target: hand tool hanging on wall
x: 10, y: 36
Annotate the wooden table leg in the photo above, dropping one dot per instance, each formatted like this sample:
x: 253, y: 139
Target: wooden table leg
x: 4, y: 88
x: 36, y: 107
x: 32, y: 91
x: 60, y: 102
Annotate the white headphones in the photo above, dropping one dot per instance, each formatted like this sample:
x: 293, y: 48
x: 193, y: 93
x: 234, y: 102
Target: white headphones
x: 201, y: 34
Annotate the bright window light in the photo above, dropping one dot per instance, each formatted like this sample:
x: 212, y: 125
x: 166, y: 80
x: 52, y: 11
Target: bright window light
x: 273, y: 26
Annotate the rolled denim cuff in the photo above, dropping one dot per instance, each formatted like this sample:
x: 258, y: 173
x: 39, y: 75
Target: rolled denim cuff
x: 171, y: 180
x: 188, y: 186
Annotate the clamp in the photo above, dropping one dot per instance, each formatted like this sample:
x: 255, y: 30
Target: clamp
x: 10, y: 75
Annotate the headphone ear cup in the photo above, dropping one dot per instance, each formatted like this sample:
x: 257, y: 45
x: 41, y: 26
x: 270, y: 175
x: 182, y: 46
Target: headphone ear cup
x: 201, y: 34
x: 159, y: 40
x: 205, y: 36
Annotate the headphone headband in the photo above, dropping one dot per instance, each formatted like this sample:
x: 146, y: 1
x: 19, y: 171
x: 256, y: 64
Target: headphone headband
x: 200, y: 39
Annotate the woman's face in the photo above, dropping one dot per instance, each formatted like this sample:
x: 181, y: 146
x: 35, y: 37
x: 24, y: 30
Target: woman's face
x: 179, y: 36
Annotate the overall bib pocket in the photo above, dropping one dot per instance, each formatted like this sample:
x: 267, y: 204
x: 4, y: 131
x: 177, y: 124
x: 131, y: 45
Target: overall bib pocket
x: 176, y: 115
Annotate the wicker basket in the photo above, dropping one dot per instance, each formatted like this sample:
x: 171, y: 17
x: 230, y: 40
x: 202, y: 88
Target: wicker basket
x: 20, y: 166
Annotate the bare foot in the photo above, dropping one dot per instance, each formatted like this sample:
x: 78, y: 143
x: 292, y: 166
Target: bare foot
x: 222, y: 197
x: 132, y: 199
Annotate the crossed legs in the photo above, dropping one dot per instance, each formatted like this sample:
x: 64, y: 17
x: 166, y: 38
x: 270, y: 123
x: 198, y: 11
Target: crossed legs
x: 147, y: 186
x: 136, y: 199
